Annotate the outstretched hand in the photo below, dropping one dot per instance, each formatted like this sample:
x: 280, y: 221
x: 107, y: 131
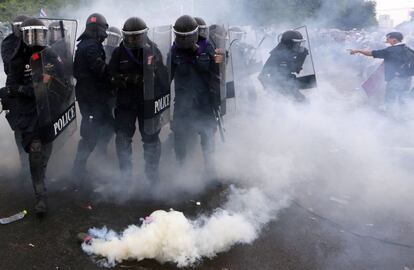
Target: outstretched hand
x: 353, y: 51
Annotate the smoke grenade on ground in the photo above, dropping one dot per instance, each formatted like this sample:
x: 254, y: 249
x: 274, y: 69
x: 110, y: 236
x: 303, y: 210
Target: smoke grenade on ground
x: 168, y: 236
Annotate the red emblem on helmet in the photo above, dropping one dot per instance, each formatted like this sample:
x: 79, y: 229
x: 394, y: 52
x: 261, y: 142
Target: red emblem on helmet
x: 93, y: 20
x: 35, y: 57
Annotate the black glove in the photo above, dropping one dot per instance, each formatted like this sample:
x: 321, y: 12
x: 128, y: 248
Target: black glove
x: 4, y: 92
x: 118, y: 81
x: 133, y: 79
x: 15, y: 90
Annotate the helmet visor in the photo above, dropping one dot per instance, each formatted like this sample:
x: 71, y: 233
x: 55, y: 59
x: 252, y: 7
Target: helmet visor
x: 35, y: 35
x: 112, y: 40
x: 186, y: 40
x: 135, y: 39
x: 55, y: 34
x: 203, y: 31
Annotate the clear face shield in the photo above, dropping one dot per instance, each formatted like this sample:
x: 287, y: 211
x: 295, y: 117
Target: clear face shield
x: 135, y: 39
x: 16, y: 28
x: 203, y: 31
x: 186, y: 40
x: 112, y: 40
x: 55, y: 34
x: 35, y: 35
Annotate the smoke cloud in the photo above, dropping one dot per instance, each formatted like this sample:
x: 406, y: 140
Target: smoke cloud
x: 335, y: 149
x: 171, y: 237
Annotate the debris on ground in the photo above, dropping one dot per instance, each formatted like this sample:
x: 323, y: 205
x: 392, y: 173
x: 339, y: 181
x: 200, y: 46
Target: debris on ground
x: 13, y: 218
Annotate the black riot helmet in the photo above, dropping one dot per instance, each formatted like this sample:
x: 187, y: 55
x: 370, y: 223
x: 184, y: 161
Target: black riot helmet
x: 34, y: 32
x: 96, y: 27
x: 57, y: 31
x: 114, y: 37
x: 292, y: 38
x: 134, y: 33
x: 202, y: 28
x: 16, y: 24
x: 236, y: 33
x: 186, y: 32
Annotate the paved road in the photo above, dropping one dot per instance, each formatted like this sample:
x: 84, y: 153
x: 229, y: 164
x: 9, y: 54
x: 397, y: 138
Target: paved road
x: 297, y: 240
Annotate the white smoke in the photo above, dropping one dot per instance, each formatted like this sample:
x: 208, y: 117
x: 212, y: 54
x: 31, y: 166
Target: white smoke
x: 171, y: 237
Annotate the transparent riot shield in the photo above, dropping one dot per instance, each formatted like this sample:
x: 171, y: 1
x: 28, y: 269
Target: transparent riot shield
x: 245, y: 59
x: 62, y: 37
x: 157, y: 70
x: 307, y: 76
x: 217, y: 37
x: 54, y: 90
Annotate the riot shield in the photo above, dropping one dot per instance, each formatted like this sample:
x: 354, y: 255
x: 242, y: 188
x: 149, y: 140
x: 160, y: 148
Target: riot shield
x: 307, y: 77
x: 62, y: 37
x: 245, y: 60
x: 217, y: 37
x: 157, y: 70
x: 54, y: 91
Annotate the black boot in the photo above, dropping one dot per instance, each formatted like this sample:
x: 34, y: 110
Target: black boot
x: 124, y: 153
x: 38, y: 158
x: 79, y: 172
x: 152, y: 155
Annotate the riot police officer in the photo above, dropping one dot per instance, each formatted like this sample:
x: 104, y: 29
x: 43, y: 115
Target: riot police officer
x: 285, y: 62
x: 20, y: 86
x: 196, y: 79
x: 92, y: 89
x: 245, y: 63
x: 109, y: 45
x: 127, y: 67
x: 9, y: 46
x: 202, y: 29
x: 112, y: 41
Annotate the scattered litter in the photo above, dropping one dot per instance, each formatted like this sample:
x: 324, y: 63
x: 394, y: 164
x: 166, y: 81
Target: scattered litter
x: 342, y: 231
x: 13, y: 218
x: 337, y: 200
x: 312, y: 218
x: 84, y: 238
x: 89, y: 207
x: 369, y: 225
x: 407, y: 268
x: 30, y: 244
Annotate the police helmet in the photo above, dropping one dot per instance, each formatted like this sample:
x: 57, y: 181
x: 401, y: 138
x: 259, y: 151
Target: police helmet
x: 186, y: 32
x: 96, y: 26
x: 202, y: 28
x: 57, y: 31
x: 16, y: 24
x: 114, y: 37
x: 34, y: 32
x: 134, y: 33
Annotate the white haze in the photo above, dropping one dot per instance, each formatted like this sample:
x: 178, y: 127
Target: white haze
x: 336, y: 142
x: 171, y: 237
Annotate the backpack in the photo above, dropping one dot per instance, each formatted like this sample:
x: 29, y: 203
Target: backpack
x: 407, y: 69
